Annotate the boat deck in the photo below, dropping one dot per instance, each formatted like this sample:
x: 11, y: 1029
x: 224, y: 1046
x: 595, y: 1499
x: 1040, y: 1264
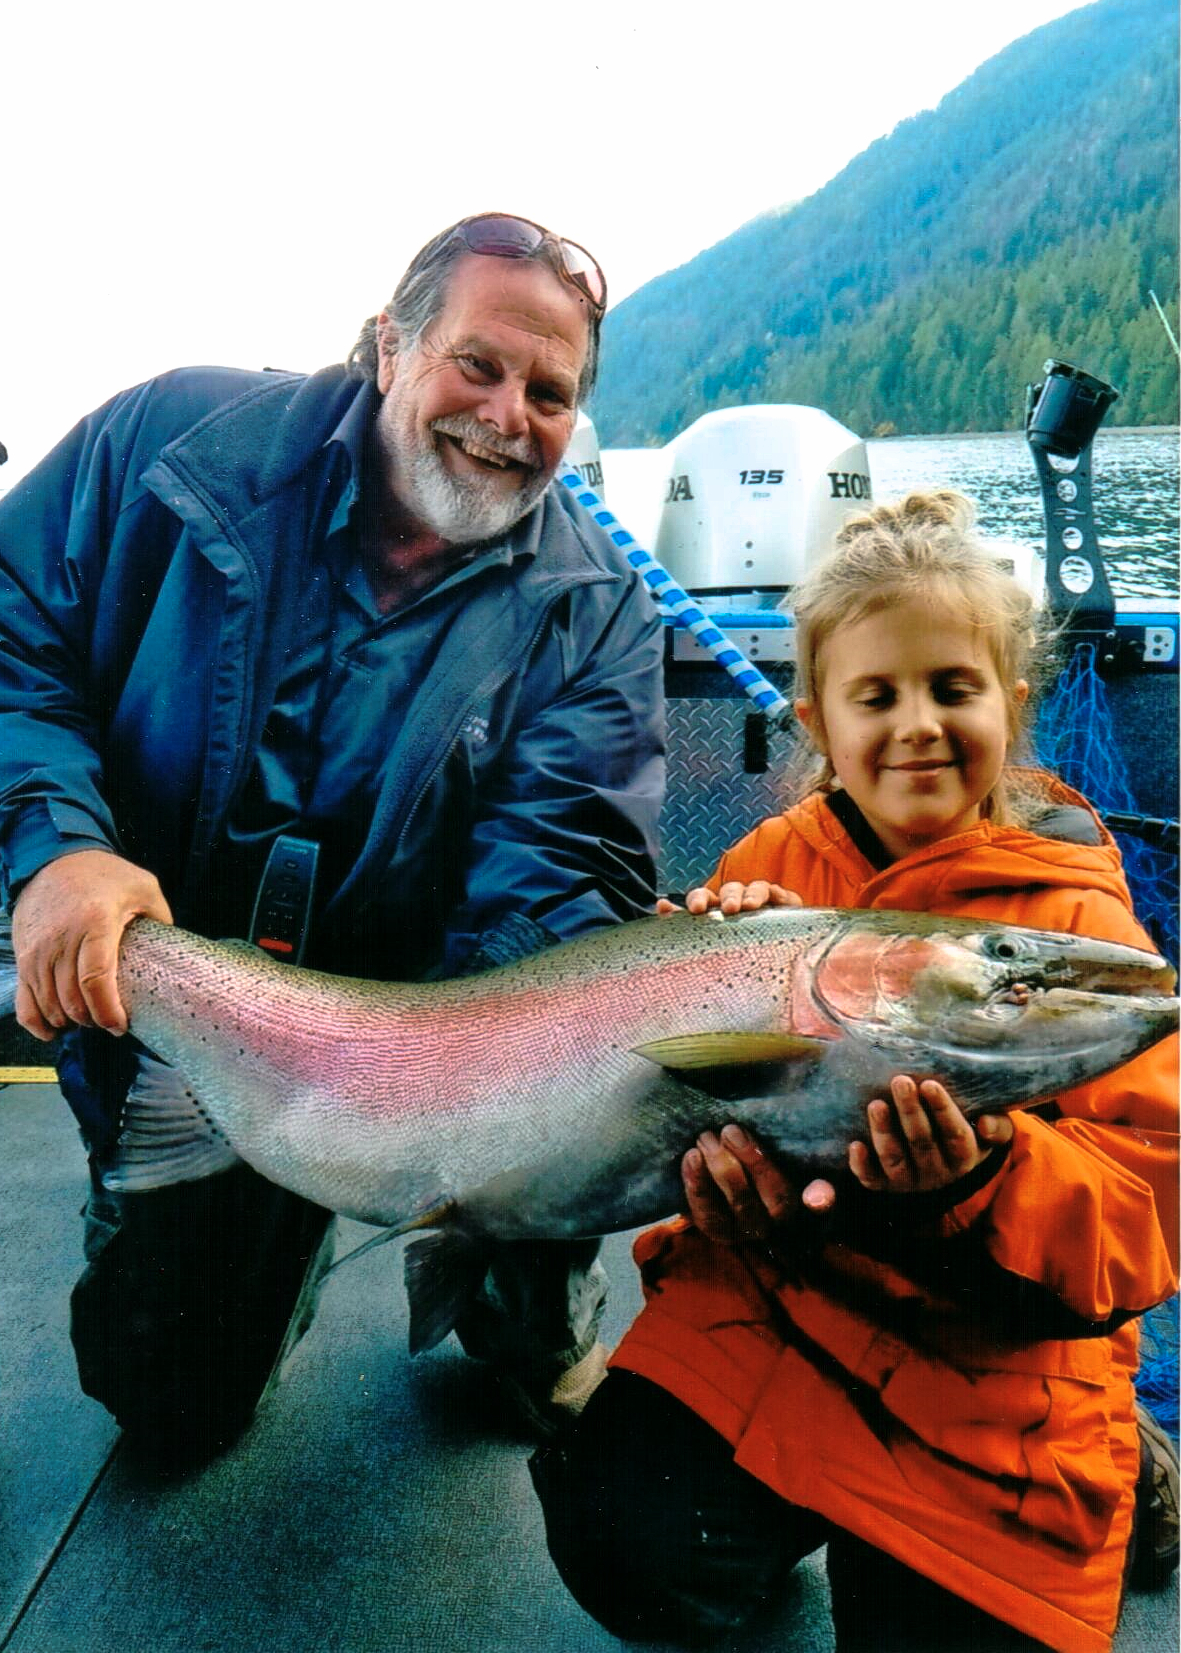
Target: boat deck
x: 375, y: 1505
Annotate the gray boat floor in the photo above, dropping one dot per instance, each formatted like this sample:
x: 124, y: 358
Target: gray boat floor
x: 376, y: 1504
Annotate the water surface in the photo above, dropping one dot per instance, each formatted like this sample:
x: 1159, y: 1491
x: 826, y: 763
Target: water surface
x: 1134, y: 483
x: 1134, y: 480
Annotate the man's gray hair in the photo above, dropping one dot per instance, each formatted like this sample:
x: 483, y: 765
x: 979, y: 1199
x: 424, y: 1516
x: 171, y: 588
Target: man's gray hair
x: 422, y: 293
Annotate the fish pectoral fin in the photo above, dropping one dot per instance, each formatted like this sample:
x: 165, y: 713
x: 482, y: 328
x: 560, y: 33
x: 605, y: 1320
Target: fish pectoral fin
x: 737, y: 1066
x: 686, y: 1052
x: 444, y: 1271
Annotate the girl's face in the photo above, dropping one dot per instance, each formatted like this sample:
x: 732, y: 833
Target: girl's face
x: 912, y: 716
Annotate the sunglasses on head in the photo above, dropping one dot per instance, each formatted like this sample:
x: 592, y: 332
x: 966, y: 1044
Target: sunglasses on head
x: 504, y: 235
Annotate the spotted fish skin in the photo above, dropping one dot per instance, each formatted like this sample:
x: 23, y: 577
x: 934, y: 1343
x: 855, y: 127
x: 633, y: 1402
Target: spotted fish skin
x: 554, y: 1097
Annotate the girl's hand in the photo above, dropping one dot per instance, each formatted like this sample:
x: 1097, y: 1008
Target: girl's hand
x: 734, y: 898
x: 734, y: 1193
x: 921, y: 1140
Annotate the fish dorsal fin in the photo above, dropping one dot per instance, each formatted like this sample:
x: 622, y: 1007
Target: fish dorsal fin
x: 687, y: 1051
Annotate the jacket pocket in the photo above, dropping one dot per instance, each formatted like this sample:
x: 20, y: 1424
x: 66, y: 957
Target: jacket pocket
x: 1025, y: 1437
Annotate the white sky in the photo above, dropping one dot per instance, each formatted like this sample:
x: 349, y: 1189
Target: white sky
x: 242, y: 181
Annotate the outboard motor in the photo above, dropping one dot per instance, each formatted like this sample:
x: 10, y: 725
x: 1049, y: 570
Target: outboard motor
x: 751, y: 498
x: 752, y: 495
x: 582, y: 452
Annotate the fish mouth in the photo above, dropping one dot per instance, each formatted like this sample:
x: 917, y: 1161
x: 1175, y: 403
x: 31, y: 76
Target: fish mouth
x: 1030, y: 1025
x: 1040, y: 961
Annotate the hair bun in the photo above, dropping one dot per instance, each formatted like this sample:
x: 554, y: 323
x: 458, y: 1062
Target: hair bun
x: 941, y: 508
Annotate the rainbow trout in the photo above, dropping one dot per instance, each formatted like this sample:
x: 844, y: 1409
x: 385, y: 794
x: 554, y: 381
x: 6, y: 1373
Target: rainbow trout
x: 554, y: 1097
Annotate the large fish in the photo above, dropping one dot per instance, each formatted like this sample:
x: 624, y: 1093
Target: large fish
x: 554, y: 1097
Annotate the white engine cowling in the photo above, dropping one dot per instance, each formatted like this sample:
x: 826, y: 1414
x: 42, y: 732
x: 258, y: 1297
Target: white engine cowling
x: 582, y: 451
x: 753, y: 495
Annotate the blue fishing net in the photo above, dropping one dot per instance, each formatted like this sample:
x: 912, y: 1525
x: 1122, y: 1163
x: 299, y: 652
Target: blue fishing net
x: 1076, y: 738
x: 1156, y: 1381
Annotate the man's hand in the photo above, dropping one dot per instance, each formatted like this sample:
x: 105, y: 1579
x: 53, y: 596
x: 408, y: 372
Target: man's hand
x: 920, y: 1140
x: 735, y: 1193
x: 733, y: 898
x: 67, y: 924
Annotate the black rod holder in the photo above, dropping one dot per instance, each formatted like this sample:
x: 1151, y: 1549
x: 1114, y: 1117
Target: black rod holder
x: 1062, y: 415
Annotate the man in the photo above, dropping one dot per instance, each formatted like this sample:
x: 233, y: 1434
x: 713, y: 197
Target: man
x: 349, y: 609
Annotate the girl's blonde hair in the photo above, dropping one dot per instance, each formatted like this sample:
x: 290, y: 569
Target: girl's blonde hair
x: 923, y: 547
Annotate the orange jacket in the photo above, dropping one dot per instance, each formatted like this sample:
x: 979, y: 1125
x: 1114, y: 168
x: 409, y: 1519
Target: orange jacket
x: 952, y: 1384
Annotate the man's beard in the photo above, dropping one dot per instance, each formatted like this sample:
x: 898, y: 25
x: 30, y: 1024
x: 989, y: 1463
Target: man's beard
x: 460, y: 509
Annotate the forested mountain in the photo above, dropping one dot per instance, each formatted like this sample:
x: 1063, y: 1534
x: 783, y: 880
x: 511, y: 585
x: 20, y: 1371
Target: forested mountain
x: 1027, y: 216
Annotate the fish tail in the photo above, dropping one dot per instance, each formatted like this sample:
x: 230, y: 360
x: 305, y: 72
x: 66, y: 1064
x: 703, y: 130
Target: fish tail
x: 444, y: 1271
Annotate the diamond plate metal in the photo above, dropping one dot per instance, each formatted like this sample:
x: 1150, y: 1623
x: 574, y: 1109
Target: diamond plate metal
x: 711, y: 801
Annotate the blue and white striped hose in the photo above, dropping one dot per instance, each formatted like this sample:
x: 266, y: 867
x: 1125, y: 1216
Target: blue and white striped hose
x: 678, y: 602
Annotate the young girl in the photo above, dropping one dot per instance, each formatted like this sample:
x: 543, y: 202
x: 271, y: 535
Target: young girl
x: 929, y: 1369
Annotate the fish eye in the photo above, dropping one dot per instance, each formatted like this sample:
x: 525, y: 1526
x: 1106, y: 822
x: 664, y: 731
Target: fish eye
x: 1003, y: 947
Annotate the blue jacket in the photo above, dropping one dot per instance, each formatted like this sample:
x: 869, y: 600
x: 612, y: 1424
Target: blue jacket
x: 147, y: 568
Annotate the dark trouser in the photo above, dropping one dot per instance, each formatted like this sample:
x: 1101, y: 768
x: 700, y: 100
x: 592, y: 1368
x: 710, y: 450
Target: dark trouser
x: 188, y: 1296
x: 660, y: 1536
x: 192, y: 1293
x: 539, y: 1310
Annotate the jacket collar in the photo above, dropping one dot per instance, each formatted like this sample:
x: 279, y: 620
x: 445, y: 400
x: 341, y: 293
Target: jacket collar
x: 984, y: 854
x: 300, y: 441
